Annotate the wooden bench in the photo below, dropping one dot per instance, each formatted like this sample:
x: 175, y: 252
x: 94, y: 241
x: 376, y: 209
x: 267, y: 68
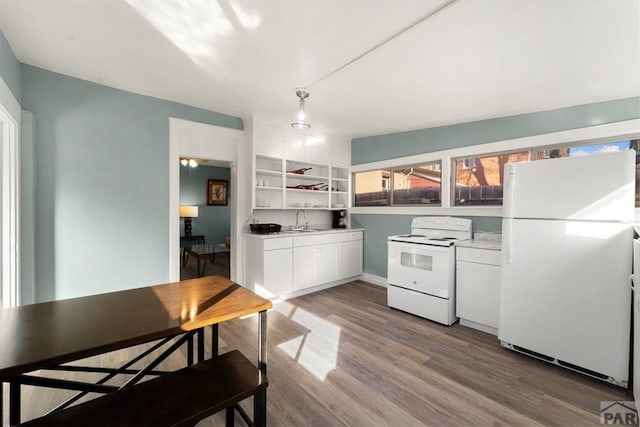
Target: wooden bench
x: 180, y: 398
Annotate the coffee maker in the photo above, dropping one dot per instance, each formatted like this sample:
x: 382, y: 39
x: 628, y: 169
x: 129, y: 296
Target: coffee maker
x: 339, y: 219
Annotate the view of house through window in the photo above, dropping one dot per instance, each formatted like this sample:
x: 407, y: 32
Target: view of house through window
x: 481, y: 184
x: 417, y: 185
x: 371, y: 188
x: 407, y: 185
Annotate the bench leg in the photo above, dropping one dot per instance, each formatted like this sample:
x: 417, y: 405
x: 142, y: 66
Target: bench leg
x: 230, y: 419
x: 214, y: 340
x: 190, y: 350
x: 14, y: 403
x: 260, y: 409
x: 200, y: 336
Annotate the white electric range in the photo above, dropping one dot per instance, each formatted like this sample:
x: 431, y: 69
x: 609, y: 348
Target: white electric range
x: 422, y: 265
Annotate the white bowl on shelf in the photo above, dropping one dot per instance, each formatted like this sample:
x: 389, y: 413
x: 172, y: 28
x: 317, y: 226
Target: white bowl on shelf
x: 338, y: 205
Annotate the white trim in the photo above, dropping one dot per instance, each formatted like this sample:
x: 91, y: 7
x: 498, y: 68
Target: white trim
x: 428, y: 210
x: 10, y: 210
x: 374, y: 280
x: 628, y: 129
x: 9, y: 102
x: 609, y: 130
x: 179, y: 147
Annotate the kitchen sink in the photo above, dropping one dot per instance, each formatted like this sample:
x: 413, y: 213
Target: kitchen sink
x: 307, y: 230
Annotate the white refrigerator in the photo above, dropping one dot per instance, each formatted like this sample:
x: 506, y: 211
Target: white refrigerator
x: 566, y: 261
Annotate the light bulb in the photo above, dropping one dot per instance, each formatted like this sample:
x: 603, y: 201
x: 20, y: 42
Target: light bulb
x: 193, y: 163
x: 184, y: 162
x: 301, y: 114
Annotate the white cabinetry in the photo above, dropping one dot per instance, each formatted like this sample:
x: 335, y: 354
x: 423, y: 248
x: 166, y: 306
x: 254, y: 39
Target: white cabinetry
x: 350, y: 258
x: 269, y: 265
x: 478, y: 288
x: 314, y: 265
x: 268, y: 182
x: 286, y: 265
x: 293, y: 184
x: 278, y: 150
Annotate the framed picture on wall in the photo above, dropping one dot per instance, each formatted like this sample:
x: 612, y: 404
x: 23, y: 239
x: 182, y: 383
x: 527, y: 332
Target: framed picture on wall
x: 217, y: 191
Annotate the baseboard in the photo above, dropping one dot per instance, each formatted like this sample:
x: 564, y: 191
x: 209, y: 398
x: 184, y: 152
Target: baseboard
x: 373, y: 279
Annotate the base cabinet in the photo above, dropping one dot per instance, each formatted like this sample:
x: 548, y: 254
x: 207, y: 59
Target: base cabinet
x: 314, y: 265
x: 350, y: 259
x: 478, y: 288
x: 269, y: 265
x: 281, y: 265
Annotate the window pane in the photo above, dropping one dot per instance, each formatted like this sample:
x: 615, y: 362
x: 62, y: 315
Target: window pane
x: 582, y: 150
x: 481, y: 184
x: 585, y: 150
x: 417, y: 185
x: 371, y: 188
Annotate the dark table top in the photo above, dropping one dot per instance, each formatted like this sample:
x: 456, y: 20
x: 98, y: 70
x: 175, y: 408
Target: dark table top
x: 47, y: 334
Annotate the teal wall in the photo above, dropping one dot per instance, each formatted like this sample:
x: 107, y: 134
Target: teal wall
x: 214, y: 222
x: 378, y: 227
x: 10, y: 68
x: 102, y: 183
x: 383, y: 147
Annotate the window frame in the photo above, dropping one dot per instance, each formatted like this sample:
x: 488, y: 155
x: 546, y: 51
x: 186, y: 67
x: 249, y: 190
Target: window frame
x: 452, y: 187
x: 390, y: 185
x: 610, y: 132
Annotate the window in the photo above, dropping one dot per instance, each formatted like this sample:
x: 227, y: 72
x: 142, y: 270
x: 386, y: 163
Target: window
x: 588, y: 149
x: 371, y: 188
x: 481, y: 185
x: 417, y: 185
x: 476, y: 180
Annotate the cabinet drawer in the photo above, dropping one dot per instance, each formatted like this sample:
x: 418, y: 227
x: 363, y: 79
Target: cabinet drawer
x: 278, y: 243
x: 482, y: 256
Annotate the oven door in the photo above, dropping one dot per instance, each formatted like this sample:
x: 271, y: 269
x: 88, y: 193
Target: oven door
x: 423, y: 268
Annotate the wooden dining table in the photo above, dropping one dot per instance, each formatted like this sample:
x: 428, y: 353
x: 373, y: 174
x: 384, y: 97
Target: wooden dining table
x: 48, y: 335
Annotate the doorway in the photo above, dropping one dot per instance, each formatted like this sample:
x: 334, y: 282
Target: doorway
x: 220, y: 146
x: 205, y: 238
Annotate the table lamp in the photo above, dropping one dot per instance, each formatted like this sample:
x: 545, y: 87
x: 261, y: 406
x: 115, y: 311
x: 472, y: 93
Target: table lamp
x: 188, y: 212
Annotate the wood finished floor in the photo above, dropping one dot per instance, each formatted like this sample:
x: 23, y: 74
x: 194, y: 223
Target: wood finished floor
x: 341, y: 357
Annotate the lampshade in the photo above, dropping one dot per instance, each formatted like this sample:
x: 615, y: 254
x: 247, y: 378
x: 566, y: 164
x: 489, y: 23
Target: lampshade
x: 188, y: 211
x: 302, y: 118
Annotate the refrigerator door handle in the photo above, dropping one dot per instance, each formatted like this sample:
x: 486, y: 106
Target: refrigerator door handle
x: 510, y: 185
x: 508, y: 246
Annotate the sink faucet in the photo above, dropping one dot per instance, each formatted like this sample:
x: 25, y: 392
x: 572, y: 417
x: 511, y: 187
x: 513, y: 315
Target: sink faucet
x: 299, y: 227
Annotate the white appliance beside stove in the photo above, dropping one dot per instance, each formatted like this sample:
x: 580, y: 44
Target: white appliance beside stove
x: 422, y: 265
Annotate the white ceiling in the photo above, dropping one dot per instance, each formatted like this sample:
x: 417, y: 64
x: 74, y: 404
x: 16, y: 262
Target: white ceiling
x: 472, y: 60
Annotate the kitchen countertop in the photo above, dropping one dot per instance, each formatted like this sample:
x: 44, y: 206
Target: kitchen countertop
x: 483, y: 240
x: 301, y: 233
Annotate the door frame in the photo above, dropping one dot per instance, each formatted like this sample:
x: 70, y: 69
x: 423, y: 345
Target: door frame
x: 9, y: 198
x: 201, y: 140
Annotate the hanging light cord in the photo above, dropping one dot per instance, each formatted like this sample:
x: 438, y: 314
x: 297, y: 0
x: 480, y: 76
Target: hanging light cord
x: 387, y: 40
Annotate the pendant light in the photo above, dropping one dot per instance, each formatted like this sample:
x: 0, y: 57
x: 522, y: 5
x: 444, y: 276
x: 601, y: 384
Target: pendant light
x: 301, y: 115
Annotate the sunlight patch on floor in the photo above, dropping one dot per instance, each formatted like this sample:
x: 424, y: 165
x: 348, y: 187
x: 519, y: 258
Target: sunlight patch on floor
x: 316, y: 350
